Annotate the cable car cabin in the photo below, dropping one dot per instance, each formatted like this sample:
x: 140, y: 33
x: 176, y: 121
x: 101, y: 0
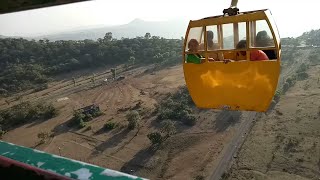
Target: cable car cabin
x: 232, y: 62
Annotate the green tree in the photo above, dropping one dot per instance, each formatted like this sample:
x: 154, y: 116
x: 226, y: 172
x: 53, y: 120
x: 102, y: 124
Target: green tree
x: 108, y: 37
x: 132, y: 60
x: 155, y: 138
x: 147, y: 36
x: 114, y: 73
x: 168, y: 128
x: 133, y: 118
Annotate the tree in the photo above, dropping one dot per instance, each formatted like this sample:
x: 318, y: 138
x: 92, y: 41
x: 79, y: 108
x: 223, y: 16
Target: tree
x: 155, y: 138
x: 132, y: 60
x: 133, y: 118
x: 74, y: 81
x: 93, y: 79
x: 147, y: 36
x: 285, y: 87
x: 108, y: 37
x: 114, y: 73
x: 168, y: 128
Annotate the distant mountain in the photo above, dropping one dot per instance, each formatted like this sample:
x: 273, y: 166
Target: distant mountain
x: 137, y: 27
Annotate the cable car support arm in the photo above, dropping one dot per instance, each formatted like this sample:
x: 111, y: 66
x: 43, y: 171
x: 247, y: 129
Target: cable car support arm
x: 232, y: 10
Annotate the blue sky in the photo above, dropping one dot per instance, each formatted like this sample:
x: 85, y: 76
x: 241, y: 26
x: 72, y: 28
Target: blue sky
x: 292, y: 18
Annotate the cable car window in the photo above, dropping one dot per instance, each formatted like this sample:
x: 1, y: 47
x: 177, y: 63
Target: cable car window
x: 242, y: 29
x: 196, y: 33
x: 212, y: 38
x: 261, y: 35
x: 228, y: 36
x: 194, y: 40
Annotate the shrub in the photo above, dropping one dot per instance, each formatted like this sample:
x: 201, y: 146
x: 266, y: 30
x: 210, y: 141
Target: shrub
x: 50, y: 112
x: 110, y: 125
x: 285, y: 87
x: 43, y: 136
x: 168, y: 128
x: 26, y: 112
x: 82, y: 124
x: 133, y: 118
x: 155, y: 138
x: 302, y: 76
x: 277, y: 95
x: 302, y: 68
x: 2, y: 133
x: 190, y: 120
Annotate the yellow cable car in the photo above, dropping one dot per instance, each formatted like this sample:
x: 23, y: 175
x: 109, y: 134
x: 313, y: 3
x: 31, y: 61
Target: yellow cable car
x: 232, y: 61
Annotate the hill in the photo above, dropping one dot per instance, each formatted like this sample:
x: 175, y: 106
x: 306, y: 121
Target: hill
x: 167, y: 29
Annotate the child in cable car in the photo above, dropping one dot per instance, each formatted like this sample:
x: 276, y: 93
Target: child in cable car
x: 195, y: 58
x: 255, y: 55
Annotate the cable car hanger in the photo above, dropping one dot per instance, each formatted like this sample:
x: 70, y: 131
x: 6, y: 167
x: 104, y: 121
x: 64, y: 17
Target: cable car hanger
x: 232, y: 10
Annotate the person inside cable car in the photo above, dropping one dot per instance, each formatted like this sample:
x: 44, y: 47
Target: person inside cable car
x: 195, y: 58
x: 211, y: 45
x: 264, y: 40
x: 255, y: 55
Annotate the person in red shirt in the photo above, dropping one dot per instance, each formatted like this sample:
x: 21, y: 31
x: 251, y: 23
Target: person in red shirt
x: 255, y: 55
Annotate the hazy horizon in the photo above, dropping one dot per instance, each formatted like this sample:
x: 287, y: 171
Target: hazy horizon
x: 101, y: 13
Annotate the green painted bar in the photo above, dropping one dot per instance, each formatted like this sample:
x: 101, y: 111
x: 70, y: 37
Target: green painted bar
x: 60, y: 165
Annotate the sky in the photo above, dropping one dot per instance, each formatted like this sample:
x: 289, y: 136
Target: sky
x: 292, y: 18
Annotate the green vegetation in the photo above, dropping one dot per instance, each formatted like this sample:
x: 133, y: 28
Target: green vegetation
x: 168, y: 128
x: 28, y: 64
x: 110, y: 125
x: 133, y: 117
x: 155, y: 138
x: 26, y: 112
x: 177, y: 107
x: 81, y: 117
x: 43, y: 136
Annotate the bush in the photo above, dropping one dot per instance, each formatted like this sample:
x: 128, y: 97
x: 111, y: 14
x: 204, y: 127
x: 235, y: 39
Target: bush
x: 302, y: 68
x: 88, y: 117
x: 133, y: 118
x: 50, y: 112
x: 277, y: 95
x: 26, y: 112
x: 302, y: 76
x: 110, y: 125
x: 78, y: 116
x: 2, y: 133
x: 177, y: 107
x: 43, y: 136
x: 41, y: 87
x: 285, y: 87
x: 155, y: 138
x: 168, y: 128
x: 290, y: 81
x: 82, y: 124
x: 190, y: 120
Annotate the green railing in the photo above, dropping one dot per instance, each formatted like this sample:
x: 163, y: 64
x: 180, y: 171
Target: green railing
x: 57, y: 165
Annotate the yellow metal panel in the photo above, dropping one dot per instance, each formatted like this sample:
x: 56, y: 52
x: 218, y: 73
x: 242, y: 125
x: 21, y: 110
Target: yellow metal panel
x: 244, y: 85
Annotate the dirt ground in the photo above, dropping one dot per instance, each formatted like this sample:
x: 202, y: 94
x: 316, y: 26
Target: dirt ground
x: 285, y: 144
x: 194, y: 151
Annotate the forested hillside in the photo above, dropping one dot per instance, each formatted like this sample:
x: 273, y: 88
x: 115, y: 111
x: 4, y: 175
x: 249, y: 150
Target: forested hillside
x: 26, y: 64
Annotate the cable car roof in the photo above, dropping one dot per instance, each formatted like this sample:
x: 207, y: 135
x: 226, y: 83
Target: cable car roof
x: 9, y: 6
